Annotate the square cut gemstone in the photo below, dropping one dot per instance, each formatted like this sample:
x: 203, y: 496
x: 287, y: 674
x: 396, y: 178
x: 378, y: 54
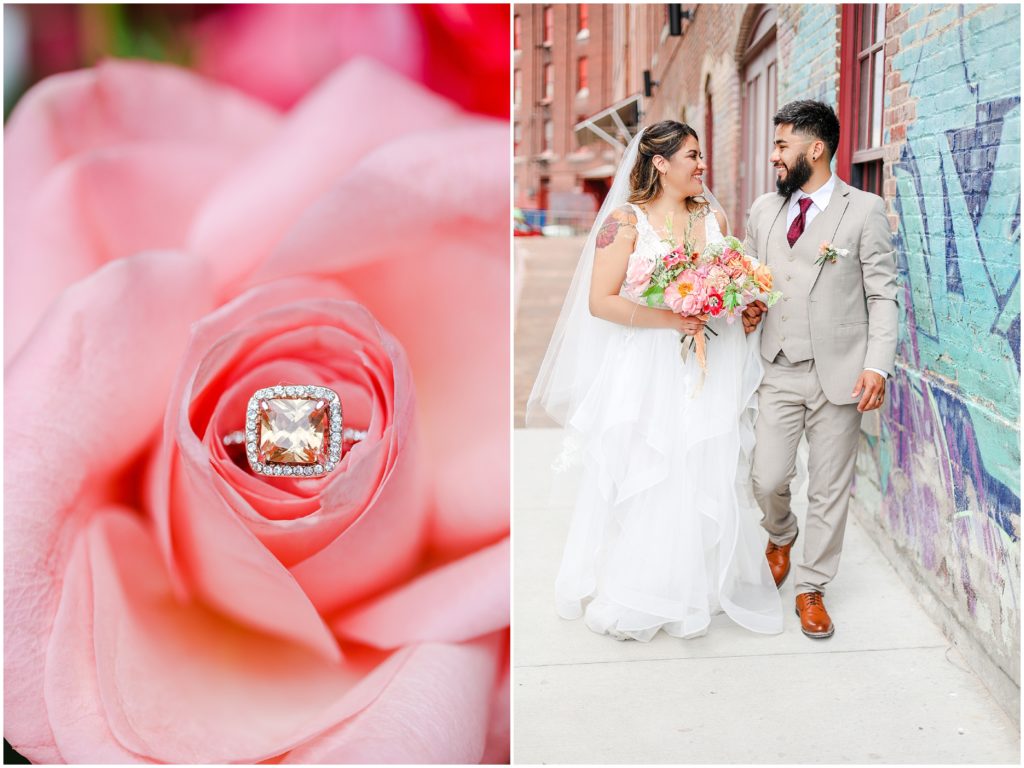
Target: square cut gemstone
x: 293, y: 430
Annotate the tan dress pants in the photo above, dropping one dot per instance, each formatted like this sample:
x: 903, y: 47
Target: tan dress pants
x: 791, y: 402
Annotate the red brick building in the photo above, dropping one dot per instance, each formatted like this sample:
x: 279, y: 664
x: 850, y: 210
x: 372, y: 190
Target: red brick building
x: 587, y: 75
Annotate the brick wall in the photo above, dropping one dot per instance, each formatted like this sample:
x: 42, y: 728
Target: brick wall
x: 939, y: 481
x: 704, y: 58
x: 808, y: 37
x: 560, y: 168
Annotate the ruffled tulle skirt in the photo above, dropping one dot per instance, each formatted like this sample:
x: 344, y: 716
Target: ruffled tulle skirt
x: 665, y: 532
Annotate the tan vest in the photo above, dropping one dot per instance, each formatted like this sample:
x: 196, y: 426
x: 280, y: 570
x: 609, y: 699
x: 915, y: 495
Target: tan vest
x: 788, y: 328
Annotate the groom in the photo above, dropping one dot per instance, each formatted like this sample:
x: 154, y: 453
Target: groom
x: 829, y: 344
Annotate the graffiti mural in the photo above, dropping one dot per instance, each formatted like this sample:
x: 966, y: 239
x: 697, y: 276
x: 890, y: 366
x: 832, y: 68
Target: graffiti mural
x: 947, y: 461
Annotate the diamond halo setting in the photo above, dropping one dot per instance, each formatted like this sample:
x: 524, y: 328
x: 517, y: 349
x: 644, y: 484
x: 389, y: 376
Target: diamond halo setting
x: 294, y: 431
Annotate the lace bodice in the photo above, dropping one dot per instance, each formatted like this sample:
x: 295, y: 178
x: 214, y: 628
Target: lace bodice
x: 650, y: 246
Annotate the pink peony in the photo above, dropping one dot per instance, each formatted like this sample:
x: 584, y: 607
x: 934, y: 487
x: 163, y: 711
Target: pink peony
x: 171, y: 246
x: 676, y: 292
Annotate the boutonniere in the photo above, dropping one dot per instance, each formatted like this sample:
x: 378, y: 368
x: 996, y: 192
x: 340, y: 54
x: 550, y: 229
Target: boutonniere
x: 830, y: 253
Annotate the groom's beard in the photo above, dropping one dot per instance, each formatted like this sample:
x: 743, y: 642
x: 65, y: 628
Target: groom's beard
x: 796, y: 177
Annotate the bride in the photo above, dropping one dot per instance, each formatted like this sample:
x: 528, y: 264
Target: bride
x: 665, y: 530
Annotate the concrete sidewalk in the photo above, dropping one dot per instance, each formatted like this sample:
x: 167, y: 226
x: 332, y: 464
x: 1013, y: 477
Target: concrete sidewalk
x: 886, y: 688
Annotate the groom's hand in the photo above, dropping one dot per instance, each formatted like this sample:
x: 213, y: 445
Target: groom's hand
x: 752, y: 316
x: 870, y: 387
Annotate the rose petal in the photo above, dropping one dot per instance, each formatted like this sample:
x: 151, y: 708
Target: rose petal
x: 78, y: 408
x: 435, y: 710
x: 418, y: 170
x: 181, y: 684
x: 279, y: 52
x: 252, y: 209
x: 75, y: 711
x: 499, y: 734
x: 95, y: 207
x: 456, y: 602
x: 97, y: 112
x: 118, y: 102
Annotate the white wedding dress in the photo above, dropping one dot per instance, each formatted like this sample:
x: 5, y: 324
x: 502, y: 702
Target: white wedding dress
x: 665, y: 532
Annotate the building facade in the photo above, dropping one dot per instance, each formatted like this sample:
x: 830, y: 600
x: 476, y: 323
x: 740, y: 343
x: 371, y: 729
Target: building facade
x: 929, y: 101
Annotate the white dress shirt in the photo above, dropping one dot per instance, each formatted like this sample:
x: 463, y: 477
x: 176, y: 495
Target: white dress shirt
x: 819, y: 202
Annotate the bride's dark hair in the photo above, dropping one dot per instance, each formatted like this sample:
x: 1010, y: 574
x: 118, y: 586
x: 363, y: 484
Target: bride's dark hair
x: 665, y: 139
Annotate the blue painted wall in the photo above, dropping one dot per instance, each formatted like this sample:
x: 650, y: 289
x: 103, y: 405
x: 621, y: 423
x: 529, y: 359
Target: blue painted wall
x: 938, y: 478
x: 943, y: 476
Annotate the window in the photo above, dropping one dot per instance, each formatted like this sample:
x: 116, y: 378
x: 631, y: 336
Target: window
x: 582, y: 19
x: 549, y: 82
x: 517, y: 87
x: 549, y: 25
x: 549, y: 135
x: 517, y: 137
x: 517, y: 32
x: 759, y: 83
x: 860, y: 89
x: 582, y: 84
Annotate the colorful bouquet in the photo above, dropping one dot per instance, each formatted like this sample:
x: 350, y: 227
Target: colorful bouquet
x: 722, y: 280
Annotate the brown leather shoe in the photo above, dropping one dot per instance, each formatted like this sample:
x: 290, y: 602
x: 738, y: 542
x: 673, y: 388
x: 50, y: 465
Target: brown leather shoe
x: 814, y: 619
x: 778, y: 559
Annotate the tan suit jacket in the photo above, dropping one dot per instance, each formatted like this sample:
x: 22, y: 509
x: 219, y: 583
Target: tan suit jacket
x: 843, y: 315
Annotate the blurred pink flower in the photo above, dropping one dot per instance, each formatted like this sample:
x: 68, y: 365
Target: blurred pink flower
x: 638, y: 275
x: 171, y: 246
x: 279, y: 52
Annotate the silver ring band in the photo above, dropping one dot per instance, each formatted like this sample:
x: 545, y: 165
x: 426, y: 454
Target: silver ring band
x: 347, y: 435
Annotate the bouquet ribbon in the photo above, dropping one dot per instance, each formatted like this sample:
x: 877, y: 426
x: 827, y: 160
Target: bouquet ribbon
x: 702, y: 351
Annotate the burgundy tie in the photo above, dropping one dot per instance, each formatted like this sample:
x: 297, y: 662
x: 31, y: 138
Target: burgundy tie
x: 797, y: 227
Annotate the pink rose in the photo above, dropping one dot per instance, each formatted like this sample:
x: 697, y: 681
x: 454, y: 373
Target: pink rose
x: 736, y: 271
x: 171, y: 247
x: 718, y: 278
x: 729, y: 256
x: 693, y: 304
x: 638, y: 275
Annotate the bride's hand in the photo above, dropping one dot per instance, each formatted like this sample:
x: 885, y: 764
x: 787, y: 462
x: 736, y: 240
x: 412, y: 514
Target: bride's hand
x: 691, y: 326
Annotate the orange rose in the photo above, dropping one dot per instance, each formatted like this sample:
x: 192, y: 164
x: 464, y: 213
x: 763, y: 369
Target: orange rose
x: 763, y: 276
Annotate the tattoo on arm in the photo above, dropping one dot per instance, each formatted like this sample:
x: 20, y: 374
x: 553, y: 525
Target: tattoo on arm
x: 610, y: 229
x: 606, y: 235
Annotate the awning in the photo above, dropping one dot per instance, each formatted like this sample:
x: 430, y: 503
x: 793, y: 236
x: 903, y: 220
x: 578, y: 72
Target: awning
x: 617, y: 124
x: 601, y: 172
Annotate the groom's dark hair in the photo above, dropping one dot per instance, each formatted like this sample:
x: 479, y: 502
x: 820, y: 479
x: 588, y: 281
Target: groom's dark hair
x: 812, y: 118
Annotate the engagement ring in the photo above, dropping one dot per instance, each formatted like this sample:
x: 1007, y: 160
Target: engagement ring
x: 293, y: 431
